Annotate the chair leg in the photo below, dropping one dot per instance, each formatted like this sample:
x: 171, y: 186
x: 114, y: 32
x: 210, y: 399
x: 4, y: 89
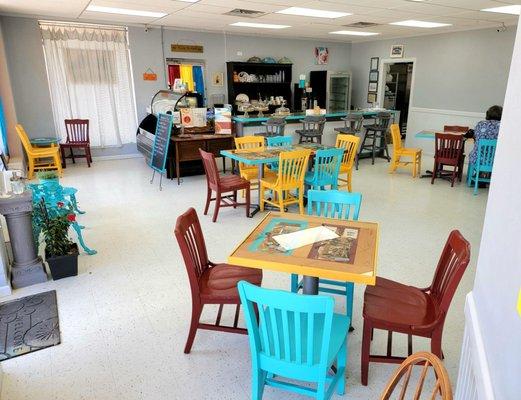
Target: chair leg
x: 58, y: 163
x: 208, y: 199
x: 248, y: 196
x: 294, y: 283
x: 62, y: 152
x: 373, y: 149
x: 234, y: 197
x: 280, y: 195
x: 366, y: 347
x: 257, y: 383
x: 321, y: 389
x: 476, y: 182
x: 341, y: 362
x: 87, y: 156
x: 349, y: 179
x: 90, y: 154
x: 217, y: 206
x: 350, y: 292
x: 434, y: 172
x: 454, y: 176
x: 261, y: 197
x: 383, y: 140
x: 31, y: 167
x: 194, y: 323
x: 301, y: 200
x: 72, y: 156
x: 436, y: 343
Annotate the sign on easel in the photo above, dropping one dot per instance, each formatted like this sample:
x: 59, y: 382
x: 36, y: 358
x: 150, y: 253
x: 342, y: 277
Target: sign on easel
x: 160, y: 147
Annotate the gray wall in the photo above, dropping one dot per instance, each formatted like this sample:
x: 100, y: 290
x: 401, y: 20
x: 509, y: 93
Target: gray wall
x: 463, y: 71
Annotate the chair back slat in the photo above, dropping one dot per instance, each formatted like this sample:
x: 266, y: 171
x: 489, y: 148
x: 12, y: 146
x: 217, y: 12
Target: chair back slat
x: 327, y: 167
x: 292, y: 168
x: 451, y: 266
x: 210, y: 168
x: 486, y: 153
x: 314, y: 124
x: 448, y: 148
x: 335, y: 204
x: 382, y: 121
x: 275, y: 127
x: 287, y: 327
x: 349, y: 143
x: 249, y: 143
x: 77, y: 130
x: 397, y: 137
x: 278, y: 141
x: 456, y: 128
x: 429, y: 363
x: 193, y: 248
x: 353, y: 122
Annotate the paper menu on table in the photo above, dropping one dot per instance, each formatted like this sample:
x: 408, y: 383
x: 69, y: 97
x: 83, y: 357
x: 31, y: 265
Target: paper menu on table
x: 294, y: 240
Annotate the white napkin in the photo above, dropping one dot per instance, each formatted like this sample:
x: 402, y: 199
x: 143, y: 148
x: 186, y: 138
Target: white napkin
x: 294, y: 240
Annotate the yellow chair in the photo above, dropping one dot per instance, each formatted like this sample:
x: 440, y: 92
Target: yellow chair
x: 399, y: 151
x: 292, y: 169
x: 350, y: 145
x: 251, y: 172
x: 39, y: 158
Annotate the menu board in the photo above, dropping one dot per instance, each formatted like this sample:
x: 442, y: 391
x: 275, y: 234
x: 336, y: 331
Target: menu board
x: 161, y: 142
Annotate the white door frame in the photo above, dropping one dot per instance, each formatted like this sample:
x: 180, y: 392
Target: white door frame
x: 383, y: 77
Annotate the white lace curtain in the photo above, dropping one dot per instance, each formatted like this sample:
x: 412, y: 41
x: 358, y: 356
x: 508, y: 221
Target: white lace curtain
x: 90, y: 77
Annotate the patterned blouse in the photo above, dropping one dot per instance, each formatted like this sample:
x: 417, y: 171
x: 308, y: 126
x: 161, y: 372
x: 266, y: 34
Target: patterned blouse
x: 483, y: 130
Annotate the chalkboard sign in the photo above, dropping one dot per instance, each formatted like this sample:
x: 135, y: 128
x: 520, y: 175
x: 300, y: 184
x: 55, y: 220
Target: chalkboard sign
x: 161, y: 142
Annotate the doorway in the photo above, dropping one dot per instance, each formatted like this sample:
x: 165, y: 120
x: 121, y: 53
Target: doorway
x: 396, y: 88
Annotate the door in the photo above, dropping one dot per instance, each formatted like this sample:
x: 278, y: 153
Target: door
x: 339, y: 95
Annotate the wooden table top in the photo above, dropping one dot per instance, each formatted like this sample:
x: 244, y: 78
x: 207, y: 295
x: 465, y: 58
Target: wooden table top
x: 351, y: 258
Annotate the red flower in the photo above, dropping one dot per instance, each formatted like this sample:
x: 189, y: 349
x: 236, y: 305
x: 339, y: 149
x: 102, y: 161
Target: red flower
x: 60, y: 204
x: 71, y: 218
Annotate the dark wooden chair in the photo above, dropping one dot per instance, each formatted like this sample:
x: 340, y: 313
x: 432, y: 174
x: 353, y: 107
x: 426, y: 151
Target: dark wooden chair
x: 77, y: 138
x: 376, y: 133
x: 312, y: 128
x: 395, y: 307
x: 448, y: 152
x: 458, y: 129
x: 353, y: 124
x: 222, y: 185
x: 210, y: 283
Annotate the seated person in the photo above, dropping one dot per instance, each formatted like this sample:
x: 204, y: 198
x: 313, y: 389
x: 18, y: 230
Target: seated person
x: 488, y: 129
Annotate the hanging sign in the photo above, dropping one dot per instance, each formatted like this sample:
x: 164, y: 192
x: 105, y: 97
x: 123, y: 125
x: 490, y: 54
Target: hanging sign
x: 161, y: 142
x: 149, y: 75
x: 186, y: 48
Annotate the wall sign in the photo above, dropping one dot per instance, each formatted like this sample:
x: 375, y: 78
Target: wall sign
x: 161, y: 142
x: 397, y: 51
x: 186, y: 48
x: 149, y: 75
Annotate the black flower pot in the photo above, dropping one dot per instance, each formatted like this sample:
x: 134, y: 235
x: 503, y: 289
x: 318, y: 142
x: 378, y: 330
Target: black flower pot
x: 64, y: 266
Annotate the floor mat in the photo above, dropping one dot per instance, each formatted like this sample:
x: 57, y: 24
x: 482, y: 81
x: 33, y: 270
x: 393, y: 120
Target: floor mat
x: 28, y: 324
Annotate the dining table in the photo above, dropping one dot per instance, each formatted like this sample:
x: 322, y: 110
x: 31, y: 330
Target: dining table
x: 267, y: 155
x: 350, y: 257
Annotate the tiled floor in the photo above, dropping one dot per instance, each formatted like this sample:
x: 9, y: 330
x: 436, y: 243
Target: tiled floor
x: 124, y: 319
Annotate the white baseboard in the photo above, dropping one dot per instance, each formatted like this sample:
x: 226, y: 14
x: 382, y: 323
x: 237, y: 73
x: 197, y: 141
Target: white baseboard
x: 116, y: 157
x: 474, y: 380
x: 5, y: 291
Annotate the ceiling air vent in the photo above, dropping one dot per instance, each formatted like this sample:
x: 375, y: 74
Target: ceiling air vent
x: 241, y: 12
x: 361, y: 25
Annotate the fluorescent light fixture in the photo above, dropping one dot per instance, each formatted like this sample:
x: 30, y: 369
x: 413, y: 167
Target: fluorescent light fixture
x: 261, y: 26
x: 189, y: 1
x: 514, y: 9
x: 310, y: 12
x: 354, y: 33
x: 420, y: 24
x: 125, y: 11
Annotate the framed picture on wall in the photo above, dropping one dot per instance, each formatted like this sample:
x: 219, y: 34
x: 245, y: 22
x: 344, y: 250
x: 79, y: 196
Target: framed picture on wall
x: 371, y: 98
x: 373, y: 76
x: 218, y: 79
x: 375, y: 62
x: 397, y: 51
x: 373, y: 87
x: 321, y: 55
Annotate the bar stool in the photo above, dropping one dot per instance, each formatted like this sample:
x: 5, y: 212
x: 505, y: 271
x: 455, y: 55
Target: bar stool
x: 377, y: 132
x: 312, y: 128
x: 274, y: 127
x: 352, y: 124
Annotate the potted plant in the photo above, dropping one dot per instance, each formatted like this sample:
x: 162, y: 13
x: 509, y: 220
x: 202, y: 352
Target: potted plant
x: 47, y: 177
x: 60, y: 252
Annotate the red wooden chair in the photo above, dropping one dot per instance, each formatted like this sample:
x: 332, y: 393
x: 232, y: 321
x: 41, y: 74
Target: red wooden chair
x: 77, y: 138
x: 395, y: 307
x: 448, y: 152
x: 461, y: 130
x: 210, y: 283
x: 222, y: 185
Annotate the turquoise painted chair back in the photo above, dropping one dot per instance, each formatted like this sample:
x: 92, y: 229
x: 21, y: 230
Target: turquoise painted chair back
x: 291, y: 338
x: 334, y: 204
x: 277, y: 141
x: 486, y: 154
x: 326, y: 168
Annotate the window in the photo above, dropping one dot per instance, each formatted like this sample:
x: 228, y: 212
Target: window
x: 89, y: 73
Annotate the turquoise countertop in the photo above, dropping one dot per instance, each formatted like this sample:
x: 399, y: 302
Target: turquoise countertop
x: 298, y: 116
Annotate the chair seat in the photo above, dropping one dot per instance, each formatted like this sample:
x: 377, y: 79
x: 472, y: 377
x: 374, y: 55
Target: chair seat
x: 233, y: 182
x: 408, y: 151
x: 75, y: 144
x: 346, y: 131
x: 339, y: 331
x: 309, y: 179
x: 269, y: 181
x: 253, y: 173
x: 398, y: 306
x: 308, y: 133
x: 219, y: 283
x: 44, y: 152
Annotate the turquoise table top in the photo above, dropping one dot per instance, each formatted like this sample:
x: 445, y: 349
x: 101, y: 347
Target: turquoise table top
x: 425, y: 135
x: 299, y: 115
x: 44, y: 141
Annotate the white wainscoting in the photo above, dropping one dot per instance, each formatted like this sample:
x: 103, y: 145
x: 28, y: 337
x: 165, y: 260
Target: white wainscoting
x: 474, y: 381
x: 421, y: 119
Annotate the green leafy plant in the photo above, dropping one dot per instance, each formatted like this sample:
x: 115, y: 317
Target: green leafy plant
x: 47, y: 175
x: 55, y: 229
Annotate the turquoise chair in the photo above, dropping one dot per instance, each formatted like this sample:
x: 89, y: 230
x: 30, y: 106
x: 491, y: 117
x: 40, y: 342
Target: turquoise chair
x: 277, y: 141
x: 484, y: 163
x: 326, y: 169
x: 295, y: 337
x: 337, y: 204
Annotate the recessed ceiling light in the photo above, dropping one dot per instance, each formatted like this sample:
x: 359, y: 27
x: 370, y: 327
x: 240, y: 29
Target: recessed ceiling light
x: 261, y: 26
x: 310, y: 12
x: 514, y: 9
x: 420, y: 24
x: 354, y: 33
x: 125, y: 11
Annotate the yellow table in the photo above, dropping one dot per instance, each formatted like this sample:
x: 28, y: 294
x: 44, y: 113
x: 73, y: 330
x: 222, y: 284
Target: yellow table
x: 357, y: 265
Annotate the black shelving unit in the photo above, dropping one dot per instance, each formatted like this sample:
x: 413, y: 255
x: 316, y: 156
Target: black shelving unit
x: 253, y: 89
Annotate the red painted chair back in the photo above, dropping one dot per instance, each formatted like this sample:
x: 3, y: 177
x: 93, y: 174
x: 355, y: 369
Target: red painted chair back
x: 191, y: 242
x: 210, y: 168
x: 448, y: 148
x: 77, y: 130
x: 451, y: 266
x: 456, y: 128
